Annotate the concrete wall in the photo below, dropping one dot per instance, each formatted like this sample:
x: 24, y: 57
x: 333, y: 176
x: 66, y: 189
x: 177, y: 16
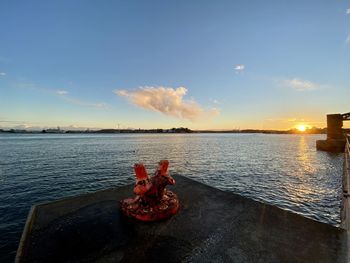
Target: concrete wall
x: 335, y: 136
x: 345, y: 213
x: 334, y: 126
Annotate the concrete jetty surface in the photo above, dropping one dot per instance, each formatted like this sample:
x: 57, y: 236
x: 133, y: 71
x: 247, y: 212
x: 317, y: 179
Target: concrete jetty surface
x: 211, y: 226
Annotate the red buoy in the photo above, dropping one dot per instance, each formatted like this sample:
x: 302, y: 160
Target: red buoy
x: 152, y: 201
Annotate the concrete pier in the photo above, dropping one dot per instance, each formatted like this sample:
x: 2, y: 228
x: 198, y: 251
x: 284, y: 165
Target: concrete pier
x: 335, y: 137
x: 345, y: 211
x: 211, y: 226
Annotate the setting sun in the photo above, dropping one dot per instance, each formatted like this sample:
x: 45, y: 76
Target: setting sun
x: 301, y: 127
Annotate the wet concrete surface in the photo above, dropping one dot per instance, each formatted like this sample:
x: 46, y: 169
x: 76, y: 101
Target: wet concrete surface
x: 211, y: 226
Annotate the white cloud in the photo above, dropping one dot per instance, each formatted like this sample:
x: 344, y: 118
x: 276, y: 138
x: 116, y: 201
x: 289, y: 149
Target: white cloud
x: 78, y: 102
x: 64, y: 96
x: 300, y: 85
x: 239, y: 68
x: 168, y: 101
x: 61, y: 92
x: 215, y: 101
x: 347, y: 40
x: 2, y: 74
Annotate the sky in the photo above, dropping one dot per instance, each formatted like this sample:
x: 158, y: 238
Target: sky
x: 163, y: 64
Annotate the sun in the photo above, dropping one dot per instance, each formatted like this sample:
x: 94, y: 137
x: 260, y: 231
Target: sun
x: 301, y: 128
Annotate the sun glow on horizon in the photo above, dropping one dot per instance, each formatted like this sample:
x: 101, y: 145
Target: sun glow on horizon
x: 301, y: 127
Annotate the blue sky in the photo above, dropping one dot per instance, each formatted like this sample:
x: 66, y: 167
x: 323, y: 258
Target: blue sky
x: 163, y: 64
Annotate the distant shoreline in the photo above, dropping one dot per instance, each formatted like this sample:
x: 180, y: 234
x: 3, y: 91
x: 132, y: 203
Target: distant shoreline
x: 165, y: 131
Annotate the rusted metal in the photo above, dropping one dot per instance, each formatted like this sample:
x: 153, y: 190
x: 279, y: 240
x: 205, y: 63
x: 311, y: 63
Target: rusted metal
x: 346, y: 116
x: 152, y: 201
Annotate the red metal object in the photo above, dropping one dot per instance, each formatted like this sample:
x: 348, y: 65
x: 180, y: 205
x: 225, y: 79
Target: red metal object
x: 153, y: 201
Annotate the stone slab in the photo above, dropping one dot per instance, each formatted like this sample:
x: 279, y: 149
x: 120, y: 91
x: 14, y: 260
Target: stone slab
x: 211, y: 226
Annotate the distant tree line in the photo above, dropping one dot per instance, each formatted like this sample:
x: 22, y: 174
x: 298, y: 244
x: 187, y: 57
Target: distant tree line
x: 172, y: 130
x: 312, y: 130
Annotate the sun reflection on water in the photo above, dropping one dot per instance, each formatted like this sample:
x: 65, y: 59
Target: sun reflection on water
x: 302, y: 190
x: 304, y: 158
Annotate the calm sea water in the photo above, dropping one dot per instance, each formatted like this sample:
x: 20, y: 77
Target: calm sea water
x: 283, y: 170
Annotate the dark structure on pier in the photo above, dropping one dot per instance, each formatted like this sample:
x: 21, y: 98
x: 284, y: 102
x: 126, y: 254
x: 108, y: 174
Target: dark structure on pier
x: 335, y: 141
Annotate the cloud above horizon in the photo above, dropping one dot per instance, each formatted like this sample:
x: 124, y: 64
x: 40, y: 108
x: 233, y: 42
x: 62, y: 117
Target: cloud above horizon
x: 214, y: 101
x: 168, y: 101
x: 299, y: 84
x: 2, y: 74
x: 239, y: 68
x: 61, y: 92
x: 347, y: 40
x: 64, y: 95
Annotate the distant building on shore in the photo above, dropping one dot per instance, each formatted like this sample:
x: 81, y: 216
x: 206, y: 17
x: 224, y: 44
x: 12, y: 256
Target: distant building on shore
x: 58, y: 130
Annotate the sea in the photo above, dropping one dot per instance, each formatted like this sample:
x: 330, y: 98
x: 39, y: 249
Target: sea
x: 282, y: 170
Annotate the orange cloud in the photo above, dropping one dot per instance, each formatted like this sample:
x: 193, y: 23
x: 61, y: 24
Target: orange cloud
x: 168, y: 101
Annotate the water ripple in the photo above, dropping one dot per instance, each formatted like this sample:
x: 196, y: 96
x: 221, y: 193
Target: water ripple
x: 282, y: 170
